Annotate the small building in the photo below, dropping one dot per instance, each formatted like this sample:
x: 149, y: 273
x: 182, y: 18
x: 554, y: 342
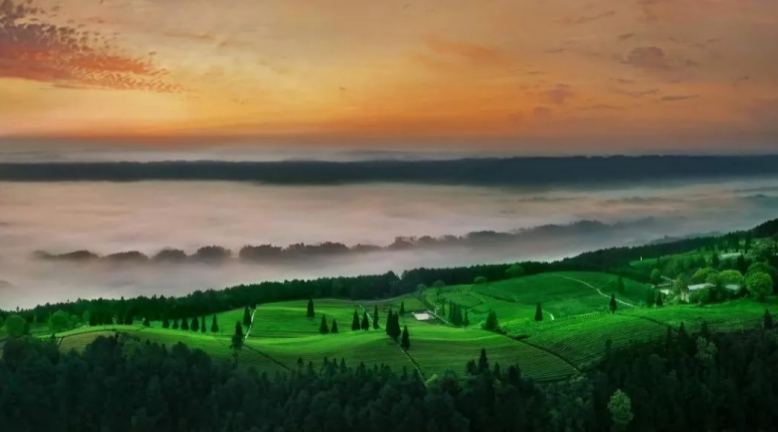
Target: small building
x: 422, y: 316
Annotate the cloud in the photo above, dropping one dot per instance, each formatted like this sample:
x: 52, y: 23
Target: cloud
x: 69, y: 57
x: 588, y: 19
x: 542, y: 113
x: 183, y: 34
x: 626, y: 36
x: 469, y: 52
x: 648, y: 58
x: 558, y: 94
x: 637, y: 94
x: 676, y: 98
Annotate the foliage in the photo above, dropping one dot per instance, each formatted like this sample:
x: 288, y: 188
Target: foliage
x: 760, y: 285
x: 480, y: 280
x: 620, y: 407
x: 15, y: 326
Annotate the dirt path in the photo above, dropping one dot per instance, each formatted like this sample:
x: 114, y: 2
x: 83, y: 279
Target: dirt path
x: 551, y: 315
x: 411, y: 359
x: 597, y: 290
x: 248, y: 332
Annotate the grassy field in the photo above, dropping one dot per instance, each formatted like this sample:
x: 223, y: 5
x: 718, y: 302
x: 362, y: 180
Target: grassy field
x: 549, y: 350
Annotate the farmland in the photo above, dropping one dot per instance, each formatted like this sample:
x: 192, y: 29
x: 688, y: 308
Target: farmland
x: 281, y: 335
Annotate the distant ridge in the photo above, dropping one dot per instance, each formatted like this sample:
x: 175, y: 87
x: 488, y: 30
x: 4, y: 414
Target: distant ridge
x: 520, y: 171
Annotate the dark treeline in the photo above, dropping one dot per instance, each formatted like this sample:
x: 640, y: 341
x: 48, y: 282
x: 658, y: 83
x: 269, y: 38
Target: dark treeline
x: 528, y: 171
x: 297, y: 252
x: 684, y: 382
x: 200, y: 303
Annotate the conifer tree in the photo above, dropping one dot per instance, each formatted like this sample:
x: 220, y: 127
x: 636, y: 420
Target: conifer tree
x: 620, y: 286
x: 375, y: 318
x: 406, y: 341
x: 483, y: 362
x: 650, y: 297
x: 175, y: 323
x: 246, y: 317
x: 195, y: 326
x: 214, y: 325
x: 165, y: 322
x: 237, y: 338
x: 355, y: 322
x: 334, y: 327
x: 128, y: 319
x: 323, y: 329
x: 612, y: 304
x: 491, y: 324
x: 660, y: 300
x: 402, y: 308
x: 311, y: 313
x: 184, y: 324
x: 538, y: 313
x: 466, y: 320
x: 767, y: 323
x: 203, y: 328
x: 146, y: 322
x: 388, y: 326
x: 365, y: 321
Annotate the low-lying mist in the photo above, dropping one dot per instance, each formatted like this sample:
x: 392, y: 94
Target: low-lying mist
x: 107, y: 218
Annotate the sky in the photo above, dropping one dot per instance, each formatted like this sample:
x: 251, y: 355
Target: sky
x: 554, y: 76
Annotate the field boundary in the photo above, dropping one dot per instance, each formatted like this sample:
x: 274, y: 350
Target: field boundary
x: 597, y: 290
x: 411, y: 359
x: 557, y: 355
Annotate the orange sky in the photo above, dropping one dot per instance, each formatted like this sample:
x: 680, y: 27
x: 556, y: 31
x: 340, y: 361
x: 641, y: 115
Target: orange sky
x: 513, y: 72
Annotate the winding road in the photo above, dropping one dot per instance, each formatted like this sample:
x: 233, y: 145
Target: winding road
x: 597, y: 290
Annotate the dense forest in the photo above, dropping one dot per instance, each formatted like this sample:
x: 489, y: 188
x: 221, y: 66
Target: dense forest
x: 200, y: 303
x: 685, y: 382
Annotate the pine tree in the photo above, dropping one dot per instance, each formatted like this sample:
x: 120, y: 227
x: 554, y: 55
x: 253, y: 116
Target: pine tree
x: 483, y: 362
x: 334, y: 327
x: 237, y: 338
x: 355, y: 321
x: 768, y: 320
x: 402, y: 308
x: 165, y: 322
x: 365, y: 321
x: 714, y: 261
x: 538, y: 313
x: 650, y: 296
x: 311, y: 313
x: 620, y: 286
x: 203, y: 328
x: 175, y: 323
x: 406, y: 341
x: 184, y: 324
x: 128, y: 319
x: 613, y: 305
x: 375, y: 318
x: 492, y: 324
x: 323, y: 329
x: 195, y: 326
x: 466, y: 320
x: 388, y: 326
x: 246, y: 317
x: 146, y: 322
x: 660, y: 300
x: 393, y: 326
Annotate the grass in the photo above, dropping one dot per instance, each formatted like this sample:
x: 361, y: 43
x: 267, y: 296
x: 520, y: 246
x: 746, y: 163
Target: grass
x: 546, y: 351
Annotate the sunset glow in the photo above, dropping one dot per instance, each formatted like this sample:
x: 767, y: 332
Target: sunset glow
x: 697, y: 72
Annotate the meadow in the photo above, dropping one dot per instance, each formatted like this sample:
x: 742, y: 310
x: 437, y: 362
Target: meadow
x: 576, y: 329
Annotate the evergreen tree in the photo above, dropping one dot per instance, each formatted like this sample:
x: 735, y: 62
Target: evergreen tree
x: 538, y: 313
x: 767, y: 323
x: 466, y: 320
x: 195, y: 326
x: 246, y: 317
x: 355, y: 322
x: 237, y: 338
x: 128, y: 319
x: 613, y: 305
x: 406, y: 341
x: 393, y: 326
x: 365, y: 321
x: 214, y: 325
x: 146, y: 322
x: 323, y: 329
x: 483, y: 362
x: 203, y: 328
x: 388, y: 326
x: 660, y: 300
x: 492, y: 324
x: 165, y: 322
x: 175, y: 323
x: 184, y: 324
x: 620, y: 407
x: 311, y: 313
x: 334, y: 327
x: 714, y: 261
x: 375, y: 318
x: 402, y: 308
x: 620, y: 286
